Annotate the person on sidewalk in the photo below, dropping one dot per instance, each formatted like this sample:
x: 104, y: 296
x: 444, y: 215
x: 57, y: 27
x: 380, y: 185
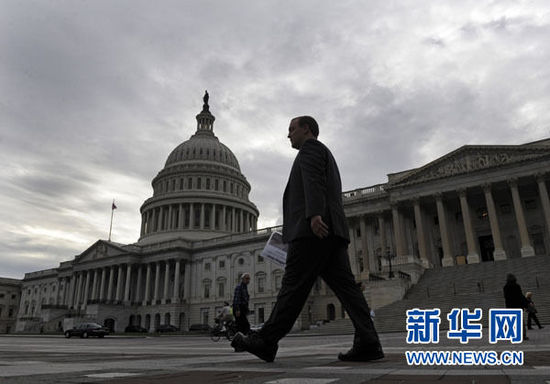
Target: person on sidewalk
x: 316, y: 231
x: 532, y: 311
x: 513, y: 298
x: 240, y: 304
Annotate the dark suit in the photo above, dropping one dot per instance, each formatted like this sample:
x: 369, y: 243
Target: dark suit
x: 314, y: 188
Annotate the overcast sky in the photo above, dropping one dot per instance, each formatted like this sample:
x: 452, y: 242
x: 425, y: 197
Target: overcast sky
x: 94, y: 95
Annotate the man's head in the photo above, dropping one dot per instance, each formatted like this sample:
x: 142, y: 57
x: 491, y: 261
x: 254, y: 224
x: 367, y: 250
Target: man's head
x: 245, y: 278
x: 302, y: 128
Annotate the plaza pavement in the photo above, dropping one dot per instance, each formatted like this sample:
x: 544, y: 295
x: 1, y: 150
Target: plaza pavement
x: 197, y: 359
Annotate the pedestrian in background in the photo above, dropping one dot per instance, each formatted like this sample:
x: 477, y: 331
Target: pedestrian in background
x: 240, y: 304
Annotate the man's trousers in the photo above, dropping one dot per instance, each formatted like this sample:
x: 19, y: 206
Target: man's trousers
x: 307, y: 259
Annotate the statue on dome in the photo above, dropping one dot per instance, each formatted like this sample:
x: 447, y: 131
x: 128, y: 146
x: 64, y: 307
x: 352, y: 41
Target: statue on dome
x: 205, y: 106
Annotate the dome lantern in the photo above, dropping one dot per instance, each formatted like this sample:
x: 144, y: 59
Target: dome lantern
x: 205, y: 120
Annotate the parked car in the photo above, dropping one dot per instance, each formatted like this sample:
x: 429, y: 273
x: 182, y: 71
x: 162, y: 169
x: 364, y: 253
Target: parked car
x: 203, y: 328
x: 167, y: 328
x: 85, y: 330
x: 135, y: 329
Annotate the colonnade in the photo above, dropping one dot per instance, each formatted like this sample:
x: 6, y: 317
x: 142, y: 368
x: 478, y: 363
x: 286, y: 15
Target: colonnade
x: 123, y: 283
x: 197, y: 216
x: 401, y: 246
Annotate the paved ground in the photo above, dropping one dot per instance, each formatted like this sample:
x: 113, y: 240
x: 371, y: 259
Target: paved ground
x: 301, y: 359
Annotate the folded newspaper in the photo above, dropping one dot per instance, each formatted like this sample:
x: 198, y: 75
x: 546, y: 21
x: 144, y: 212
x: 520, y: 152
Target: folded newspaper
x: 275, y: 250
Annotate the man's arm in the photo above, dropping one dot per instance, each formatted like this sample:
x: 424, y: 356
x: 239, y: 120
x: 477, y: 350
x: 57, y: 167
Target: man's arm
x: 313, y: 169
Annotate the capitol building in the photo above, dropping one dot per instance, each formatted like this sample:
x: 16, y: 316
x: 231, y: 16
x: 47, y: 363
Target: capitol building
x: 199, y: 233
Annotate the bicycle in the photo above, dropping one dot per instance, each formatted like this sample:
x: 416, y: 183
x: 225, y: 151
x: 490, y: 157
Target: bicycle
x: 228, y: 332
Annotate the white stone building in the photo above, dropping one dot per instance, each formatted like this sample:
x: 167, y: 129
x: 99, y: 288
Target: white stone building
x: 198, y: 234
x: 10, y: 293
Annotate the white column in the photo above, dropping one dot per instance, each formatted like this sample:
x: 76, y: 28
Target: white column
x: 102, y: 285
x: 94, y: 286
x: 499, y: 253
x: 86, y: 290
x: 146, y: 294
x: 420, y: 233
x: 176, y: 297
x: 166, y: 281
x: 111, y: 283
x: 137, y: 295
x: 223, y: 227
x: 187, y: 282
x: 545, y: 201
x: 473, y: 255
x: 157, y: 282
x: 191, y: 216
x: 202, y: 217
x: 397, y: 230
x: 181, y: 217
x: 364, y: 248
x: 78, y: 291
x: 127, y: 287
x: 526, y: 248
x: 119, y: 282
x: 448, y: 258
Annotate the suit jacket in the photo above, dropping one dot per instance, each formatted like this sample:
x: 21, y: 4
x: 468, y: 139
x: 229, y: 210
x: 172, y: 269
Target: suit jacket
x: 314, y: 188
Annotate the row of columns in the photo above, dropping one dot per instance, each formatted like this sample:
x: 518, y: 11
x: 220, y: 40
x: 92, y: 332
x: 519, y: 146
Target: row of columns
x: 79, y: 288
x: 173, y: 217
x: 401, y: 248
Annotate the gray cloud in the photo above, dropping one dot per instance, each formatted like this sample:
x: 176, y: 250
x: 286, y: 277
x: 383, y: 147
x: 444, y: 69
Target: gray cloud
x: 94, y: 95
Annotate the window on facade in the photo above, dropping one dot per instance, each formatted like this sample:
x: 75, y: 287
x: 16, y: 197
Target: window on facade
x: 358, y: 232
x: 13, y: 296
x: 26, y: 309
x: 1, y: 295
x: 216, y: 184
x: 222, y: 264
x: 199, y: 183
x: 231, y: 190
x: 206, y: 266
x: 240, y: 261
x: 190, y: 183
x: 207, y: 183
x: 181, y: 183
x: 225, y: 186
x: 221, y: 289
x: 260, y: 281
x: 206, y: 291
x: 260, y: 259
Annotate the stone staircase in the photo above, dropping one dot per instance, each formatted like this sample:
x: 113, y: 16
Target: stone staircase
x: 463, y: 286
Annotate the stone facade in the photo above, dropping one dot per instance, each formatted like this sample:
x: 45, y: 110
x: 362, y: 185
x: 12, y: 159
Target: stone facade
x: 198, y: 235
x: 476, y: 204
x: 10, y: 294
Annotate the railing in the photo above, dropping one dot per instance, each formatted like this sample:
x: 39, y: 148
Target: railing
x: 356, y: 193
x: 403, y: 275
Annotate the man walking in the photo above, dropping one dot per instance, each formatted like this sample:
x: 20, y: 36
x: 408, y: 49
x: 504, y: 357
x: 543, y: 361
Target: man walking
x: 240, y: 304
x: 315, y: 227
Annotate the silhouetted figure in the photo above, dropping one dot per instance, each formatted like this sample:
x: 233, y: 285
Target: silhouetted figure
x: 515, y: 299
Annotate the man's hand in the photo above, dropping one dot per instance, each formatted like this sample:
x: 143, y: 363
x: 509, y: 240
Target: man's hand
x: 318, y: 226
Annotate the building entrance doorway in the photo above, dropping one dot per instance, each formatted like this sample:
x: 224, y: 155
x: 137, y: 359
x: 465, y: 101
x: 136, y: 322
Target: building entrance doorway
x: 331, y: 312
x: 486, y: 248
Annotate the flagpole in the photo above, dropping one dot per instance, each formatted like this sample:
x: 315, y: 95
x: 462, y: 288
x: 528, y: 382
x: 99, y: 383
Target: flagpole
x: 111, y: 226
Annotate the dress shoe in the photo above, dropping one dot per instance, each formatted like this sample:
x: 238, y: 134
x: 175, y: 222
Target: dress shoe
x: 254, y: 344
x: 362, y: 354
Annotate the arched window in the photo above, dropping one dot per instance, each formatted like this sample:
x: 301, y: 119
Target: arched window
x: 206, y: 285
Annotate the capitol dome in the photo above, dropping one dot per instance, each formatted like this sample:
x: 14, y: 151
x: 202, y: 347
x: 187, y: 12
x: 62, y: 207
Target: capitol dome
x: 200, y: 193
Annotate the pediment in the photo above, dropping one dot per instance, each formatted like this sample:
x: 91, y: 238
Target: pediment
x: 471, y: 159
x: 100, y: 250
